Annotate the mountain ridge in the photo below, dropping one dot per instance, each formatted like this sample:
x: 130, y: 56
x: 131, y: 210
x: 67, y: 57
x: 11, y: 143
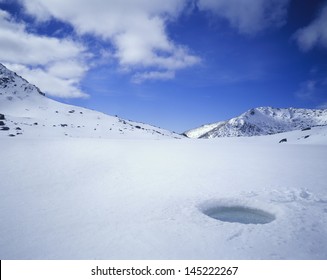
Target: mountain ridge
x: 262, y: 121
x: 27, y: 111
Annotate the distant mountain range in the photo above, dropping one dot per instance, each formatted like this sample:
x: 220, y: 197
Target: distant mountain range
x: 262, y: 121
x: 25, y: 111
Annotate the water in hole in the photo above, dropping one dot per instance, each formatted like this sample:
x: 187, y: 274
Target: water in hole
x: 239, y: 214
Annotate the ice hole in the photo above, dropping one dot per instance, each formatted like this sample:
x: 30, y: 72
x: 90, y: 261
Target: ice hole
x: 239, y: 214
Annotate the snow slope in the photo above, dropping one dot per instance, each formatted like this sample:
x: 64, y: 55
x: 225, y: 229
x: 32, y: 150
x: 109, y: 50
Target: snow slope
x: 125, y: 199
x: 262, y: 121
x: 29, y: 113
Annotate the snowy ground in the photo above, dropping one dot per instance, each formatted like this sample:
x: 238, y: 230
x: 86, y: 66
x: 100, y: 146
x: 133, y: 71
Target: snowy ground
x: 144, y: 199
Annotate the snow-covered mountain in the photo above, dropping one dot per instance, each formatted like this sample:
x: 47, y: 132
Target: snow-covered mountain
x: 26, y: 112
x: 262, y: 121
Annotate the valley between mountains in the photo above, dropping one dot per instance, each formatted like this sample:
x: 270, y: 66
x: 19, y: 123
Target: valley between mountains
x: 80, y: 184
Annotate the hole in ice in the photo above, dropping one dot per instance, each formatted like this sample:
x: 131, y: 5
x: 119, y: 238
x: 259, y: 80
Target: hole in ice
x: 239, y: 214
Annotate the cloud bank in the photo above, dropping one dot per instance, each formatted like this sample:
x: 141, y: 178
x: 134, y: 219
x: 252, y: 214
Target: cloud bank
x: 137, y: 30
x: 134, y: 33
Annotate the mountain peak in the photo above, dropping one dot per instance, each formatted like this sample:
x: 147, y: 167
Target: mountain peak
x: 262, y: 121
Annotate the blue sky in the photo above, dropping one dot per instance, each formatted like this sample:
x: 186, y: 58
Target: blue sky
x: 176, y: 64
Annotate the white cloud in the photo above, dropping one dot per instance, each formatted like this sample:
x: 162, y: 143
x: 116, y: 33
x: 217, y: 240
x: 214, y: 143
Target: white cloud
x: 55, y: 65
x: 137, y: 29
x: 248, y: 16
x: 19, y: 45
x: 67, y: 69
x: 153, y: 75
x: 314, y: 34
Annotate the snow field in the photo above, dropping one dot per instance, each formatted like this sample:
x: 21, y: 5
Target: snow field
x: 144, y: 199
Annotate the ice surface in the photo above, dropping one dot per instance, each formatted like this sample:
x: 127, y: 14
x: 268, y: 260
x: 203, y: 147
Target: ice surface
x: 240, y: 214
